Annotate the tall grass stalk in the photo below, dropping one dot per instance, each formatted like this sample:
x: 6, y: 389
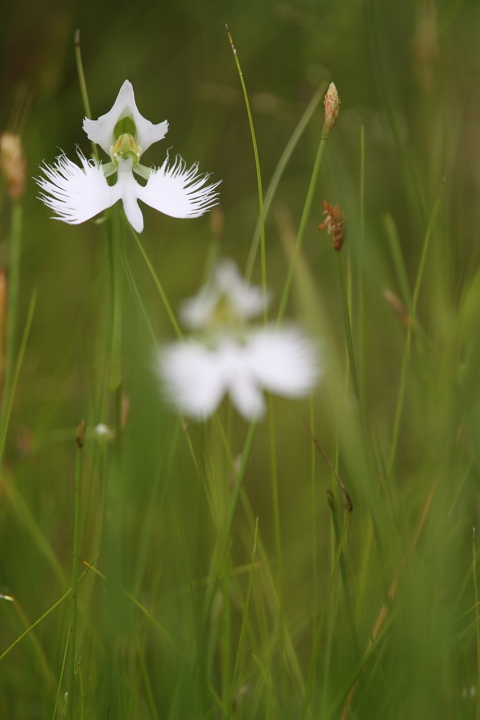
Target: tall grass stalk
x: 13, y: 280
x: 42, y: 617
x: 303, y: 223
x: 83, y: 84
x: 244, y: 623
x: 16, y: 372
x: 321, y: 622
x: 158, y: 285
x: 361, y: 255
x: 115, y: 252
x: 477, y: 618
x: 347, y: 324
x: 233, y: 501
x: 408, y: 341
x: 313, y: 457
x: 259, y: 177
x: 80, y: 440
x: 276, y: 503
x: 279, y: 170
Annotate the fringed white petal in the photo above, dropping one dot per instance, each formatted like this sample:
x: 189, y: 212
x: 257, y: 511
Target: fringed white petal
x: 101, y: 131
x: 283, y: 360
x: 179, y: 192
x: 193, y: 378
x: 74, y: 193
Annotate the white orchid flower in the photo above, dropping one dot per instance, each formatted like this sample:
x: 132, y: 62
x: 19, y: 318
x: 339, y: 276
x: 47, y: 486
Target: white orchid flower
x: 228, y: 356
x: 77, y: 194
x: 240, y: 300
x: 195, y: 377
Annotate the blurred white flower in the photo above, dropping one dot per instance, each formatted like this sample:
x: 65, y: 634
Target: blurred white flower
x: 77, y: 194
x: 196, y: 377
x: 226, y: 356
x: 242, y: 301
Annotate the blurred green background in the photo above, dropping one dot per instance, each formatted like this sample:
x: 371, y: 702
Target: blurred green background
x: 410, y: 73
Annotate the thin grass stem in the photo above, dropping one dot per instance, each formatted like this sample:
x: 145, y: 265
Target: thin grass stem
x: 303, y: 224
x: 278, y: 173
x: 75, y: 555
x: 244, y: 623
x: 83, y: 84
x: 477, y: 619
x: 259, y: 177
x: 348, y: 327
x: 62, y: 672
x: 361, y: 254
x: 406, y: 353
x: 276, y: 501
x: 313, y: 457
x: 16, y: 373
x: 319, y: 630
x: 13, y: 278
x: 228, y: 526
x: 42, y: 617
x: 114, y: 256
x: 159, y: 286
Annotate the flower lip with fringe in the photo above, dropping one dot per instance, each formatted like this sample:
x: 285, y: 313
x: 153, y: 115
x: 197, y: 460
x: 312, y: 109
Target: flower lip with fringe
x: 336, y: 223
x: 77, y: 194
x: 227, y: 356
x: 196, y: 377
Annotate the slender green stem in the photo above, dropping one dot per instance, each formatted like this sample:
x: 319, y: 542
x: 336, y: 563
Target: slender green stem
x: 276, y: 504
x: 406, y: 353
x: 348, y: 327
x: 244, y: 623
x: 76, y: 552
x: 279, y: 170
x: 42, y: 617
x: 146, y: 682
x: 259, y: 179
x: 158, y: 284
x: 313, y: 457
x: 115, y: 259
x: 83, y: 84
x: 62, y: 671
x: 16, y: 373
x: 477, y: 617
x: 361, y: 255
x: 303, y: 224
x: 319, y: 630
x: 200, y: 669
x: 345, y: 580
x: 13, y: 278
x: 231, y: 513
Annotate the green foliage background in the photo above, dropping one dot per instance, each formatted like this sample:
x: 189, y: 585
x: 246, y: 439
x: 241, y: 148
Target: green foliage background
x: 409, y: 72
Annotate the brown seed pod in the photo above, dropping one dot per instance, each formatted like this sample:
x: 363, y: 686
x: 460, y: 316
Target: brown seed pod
x: 12, y: 163
x: 336, y: 224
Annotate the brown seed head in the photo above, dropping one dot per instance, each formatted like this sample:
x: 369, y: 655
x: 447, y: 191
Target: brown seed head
x: 81, y: 433
x: 332, y: 107
x: 12, y: 163
x: 336, y: 224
